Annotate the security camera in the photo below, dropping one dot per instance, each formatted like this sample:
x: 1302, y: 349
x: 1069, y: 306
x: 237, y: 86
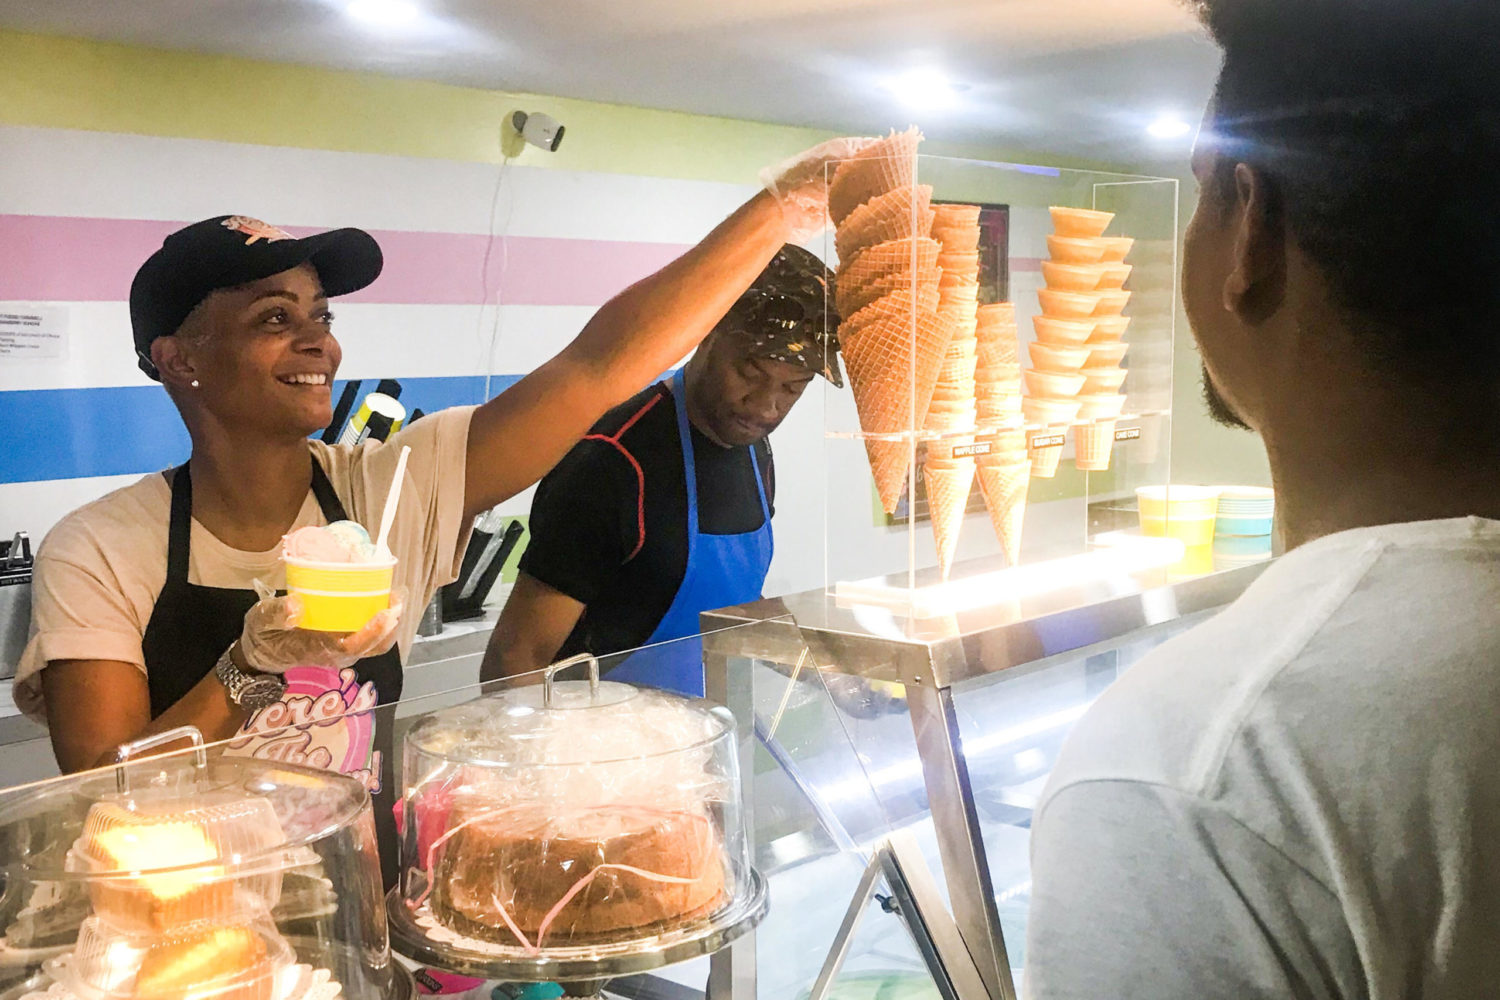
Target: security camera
x: 538, y: 129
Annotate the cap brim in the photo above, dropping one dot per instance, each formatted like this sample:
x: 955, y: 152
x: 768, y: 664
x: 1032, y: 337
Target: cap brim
x: 346, y: 259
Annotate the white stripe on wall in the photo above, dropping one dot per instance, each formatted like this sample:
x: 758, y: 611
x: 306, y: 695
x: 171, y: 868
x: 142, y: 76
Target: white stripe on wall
x: 107, y: 175
x: 413, y: 341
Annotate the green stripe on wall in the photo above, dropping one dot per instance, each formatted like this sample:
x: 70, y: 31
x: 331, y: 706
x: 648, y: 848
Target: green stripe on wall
x: 68, y: 83
x: 71, y: 83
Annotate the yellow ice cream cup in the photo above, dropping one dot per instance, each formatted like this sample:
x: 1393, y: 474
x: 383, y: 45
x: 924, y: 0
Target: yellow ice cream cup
x: 339, y: 597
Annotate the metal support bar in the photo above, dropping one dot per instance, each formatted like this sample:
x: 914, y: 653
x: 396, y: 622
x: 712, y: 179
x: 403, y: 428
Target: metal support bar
x: 945, y: 773
x: 731, y: 971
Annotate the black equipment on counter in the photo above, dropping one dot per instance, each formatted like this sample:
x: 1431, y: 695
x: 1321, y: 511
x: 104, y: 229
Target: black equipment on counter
x: 482, y: 563
x: 15, y: 600
x: 378, y: 416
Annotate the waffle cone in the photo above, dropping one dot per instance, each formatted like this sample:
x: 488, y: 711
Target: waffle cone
x: 1093, y: 444
x: 1004, y: 488
x: 916, y: 254
x: 893, y: 368
x: 875, y: 170
x: 895, y: 307
x: 849, y: 297
x: 956, y: 216
x: 948, y: 489
x: 895, y: 215
x: 957, y: 238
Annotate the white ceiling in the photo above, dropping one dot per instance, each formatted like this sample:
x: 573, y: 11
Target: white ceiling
x: 1077, y: 77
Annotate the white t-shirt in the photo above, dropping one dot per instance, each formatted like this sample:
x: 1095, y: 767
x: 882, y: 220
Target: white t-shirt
x: 1300, y: 798
x: 99, y: 571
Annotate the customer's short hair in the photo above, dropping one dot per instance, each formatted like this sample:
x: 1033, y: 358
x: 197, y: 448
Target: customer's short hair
x: 1377, y: 123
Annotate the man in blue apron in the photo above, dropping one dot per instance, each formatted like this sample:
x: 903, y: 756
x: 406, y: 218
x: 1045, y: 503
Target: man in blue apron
x: 664, y: 510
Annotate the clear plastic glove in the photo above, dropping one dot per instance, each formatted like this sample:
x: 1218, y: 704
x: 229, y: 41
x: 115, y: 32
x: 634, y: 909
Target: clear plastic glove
x: 272, y: 643
x: 800, y: 185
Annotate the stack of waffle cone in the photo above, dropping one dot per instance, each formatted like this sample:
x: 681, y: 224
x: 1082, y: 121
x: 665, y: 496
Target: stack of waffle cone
x: 887, y: 291
x: 948, y: 468
x: 1003, y: 470
x: 1082, y: 300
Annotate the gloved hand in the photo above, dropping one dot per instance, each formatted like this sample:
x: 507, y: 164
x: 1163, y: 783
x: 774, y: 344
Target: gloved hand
x: 800, y: 185
x: 272, y: 643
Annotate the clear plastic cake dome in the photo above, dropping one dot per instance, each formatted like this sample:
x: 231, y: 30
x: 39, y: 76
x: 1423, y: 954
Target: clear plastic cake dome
x: 572, y: 829
x: 191, y: 876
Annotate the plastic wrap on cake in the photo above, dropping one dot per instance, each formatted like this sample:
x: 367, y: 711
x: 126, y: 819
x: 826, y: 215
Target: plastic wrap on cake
x: 181, y: 876
x: 581, y: 819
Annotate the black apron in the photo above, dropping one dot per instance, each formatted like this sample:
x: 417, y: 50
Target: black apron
x: 192, y: 625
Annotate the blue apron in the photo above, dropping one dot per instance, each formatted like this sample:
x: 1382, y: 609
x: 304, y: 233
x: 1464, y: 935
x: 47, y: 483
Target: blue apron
x: 722, y: 571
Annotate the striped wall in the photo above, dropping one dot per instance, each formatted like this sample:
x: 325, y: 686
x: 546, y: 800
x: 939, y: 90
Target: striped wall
x: 496, y: 255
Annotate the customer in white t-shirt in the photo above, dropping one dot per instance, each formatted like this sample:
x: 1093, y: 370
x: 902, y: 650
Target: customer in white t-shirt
x: 1301, y: 798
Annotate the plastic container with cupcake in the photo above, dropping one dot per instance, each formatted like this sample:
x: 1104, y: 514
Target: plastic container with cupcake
x: 197, y: 876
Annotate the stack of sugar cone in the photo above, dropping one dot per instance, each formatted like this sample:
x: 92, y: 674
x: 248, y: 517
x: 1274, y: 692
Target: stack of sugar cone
x: 1079, y: 233
x: 1003, y: 468
x: 1063, y: 384
x: 948, y: 467
x: 887, y: 291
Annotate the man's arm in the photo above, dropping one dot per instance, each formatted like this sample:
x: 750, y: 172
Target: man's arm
x: 517, y: 436
x: 520, y: 434
x: 93, y: 706
x: 536, y: 621
x: 1144, y: 891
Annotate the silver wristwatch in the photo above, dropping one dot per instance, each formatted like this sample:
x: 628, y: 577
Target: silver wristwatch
x: 250, y: 691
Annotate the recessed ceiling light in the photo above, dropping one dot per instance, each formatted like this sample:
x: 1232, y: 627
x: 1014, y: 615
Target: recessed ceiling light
x: 925, y: 89
x: 382, y: 12
x: 1168, y: 127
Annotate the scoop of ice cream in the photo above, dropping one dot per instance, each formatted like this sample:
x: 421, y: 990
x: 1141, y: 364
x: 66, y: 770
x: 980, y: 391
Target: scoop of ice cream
x: 339, y: 542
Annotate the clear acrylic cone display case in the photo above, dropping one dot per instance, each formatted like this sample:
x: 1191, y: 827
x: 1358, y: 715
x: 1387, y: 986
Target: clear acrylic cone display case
x: 193, y: 875
x: 1007, y: 339
x: 573, y: 830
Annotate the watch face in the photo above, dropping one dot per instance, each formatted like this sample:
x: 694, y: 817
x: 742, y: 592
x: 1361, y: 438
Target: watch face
x: 261, y: 691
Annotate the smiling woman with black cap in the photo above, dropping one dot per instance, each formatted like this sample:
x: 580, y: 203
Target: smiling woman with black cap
x: 664, y: 510
x: 145, y: 614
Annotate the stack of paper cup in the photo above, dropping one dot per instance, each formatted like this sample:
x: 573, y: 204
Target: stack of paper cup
x: 948, y: 466
x: 887, y: 292
x: 1079, y: 339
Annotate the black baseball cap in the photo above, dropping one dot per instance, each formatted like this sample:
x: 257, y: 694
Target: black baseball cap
x: 232, y: 250
x: 788, y: 314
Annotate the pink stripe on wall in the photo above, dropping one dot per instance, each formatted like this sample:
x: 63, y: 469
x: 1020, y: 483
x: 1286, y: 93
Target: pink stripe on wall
x: 1025, y: 264
x: 93, y: 260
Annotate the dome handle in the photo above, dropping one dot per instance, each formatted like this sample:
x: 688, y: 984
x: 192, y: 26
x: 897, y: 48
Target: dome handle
x: 572, y: 661
x: 126, y: 751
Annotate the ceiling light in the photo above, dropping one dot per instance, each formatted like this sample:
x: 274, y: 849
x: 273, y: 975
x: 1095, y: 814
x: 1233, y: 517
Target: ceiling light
x: 924, y: 89
x: 384, y: 13
x: 1168, y: 127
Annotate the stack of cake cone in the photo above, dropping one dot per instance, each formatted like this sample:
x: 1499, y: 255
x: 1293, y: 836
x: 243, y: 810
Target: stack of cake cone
x: 1075, y: 372
x: 887, y: 291
x: 1003, y: 469
x: 948, y: 468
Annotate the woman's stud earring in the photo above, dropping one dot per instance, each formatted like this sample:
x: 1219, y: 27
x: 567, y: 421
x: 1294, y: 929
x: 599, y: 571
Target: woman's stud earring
x: 195, y: 383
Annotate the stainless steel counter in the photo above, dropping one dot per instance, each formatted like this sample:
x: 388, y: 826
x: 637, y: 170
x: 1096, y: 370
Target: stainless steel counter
x: 973, y: 648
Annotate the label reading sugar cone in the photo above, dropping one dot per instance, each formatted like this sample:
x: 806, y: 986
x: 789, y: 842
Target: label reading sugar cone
x: 1128, y: 434
x: 1040, y: 441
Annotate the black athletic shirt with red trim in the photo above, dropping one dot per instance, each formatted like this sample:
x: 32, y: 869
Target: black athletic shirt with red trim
x: 609, y: 523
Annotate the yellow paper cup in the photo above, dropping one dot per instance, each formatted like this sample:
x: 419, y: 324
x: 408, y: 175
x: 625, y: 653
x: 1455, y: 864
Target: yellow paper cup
x: 1186, y: 513
x: 339, y: 597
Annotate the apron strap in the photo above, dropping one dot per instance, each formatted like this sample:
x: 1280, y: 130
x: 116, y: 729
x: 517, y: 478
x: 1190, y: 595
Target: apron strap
x: 328, y: 499
x: 180, y: 527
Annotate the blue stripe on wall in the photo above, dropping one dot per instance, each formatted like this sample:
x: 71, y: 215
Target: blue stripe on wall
x: 74, y: 433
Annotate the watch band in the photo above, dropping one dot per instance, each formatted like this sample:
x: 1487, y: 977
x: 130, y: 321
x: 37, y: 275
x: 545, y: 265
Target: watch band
x: 251, y: 692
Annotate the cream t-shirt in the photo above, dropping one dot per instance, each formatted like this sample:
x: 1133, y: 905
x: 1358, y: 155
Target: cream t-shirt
x: 99, y: 571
